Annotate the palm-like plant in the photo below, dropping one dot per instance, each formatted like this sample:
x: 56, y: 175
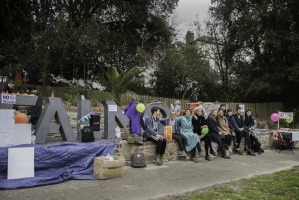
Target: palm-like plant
x: 117, y: 83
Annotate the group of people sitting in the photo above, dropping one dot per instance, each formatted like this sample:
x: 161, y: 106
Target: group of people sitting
x: 224, y: 128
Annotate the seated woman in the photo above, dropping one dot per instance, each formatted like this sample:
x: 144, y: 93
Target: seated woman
x: 224, y: 129
x: 180, y: 138
x: 155, y: 133
x: 214, y: 132
x: 199, y: 122
x: 185, y: 126
x: 250, y: 125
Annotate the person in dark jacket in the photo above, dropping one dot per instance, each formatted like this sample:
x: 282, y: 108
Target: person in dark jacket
x: 242, y: 132
x: 199, y: 122
x: 233, y: 127
x: 7, y: 87
x: 250, y: 125
x: 214, y: 132
x: 36, y: 110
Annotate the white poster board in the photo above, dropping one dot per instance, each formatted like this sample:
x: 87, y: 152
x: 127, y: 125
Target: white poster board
x: 22, y: 134
x: 20, y: 162
x: 6, y: 127
x: 285, y: 115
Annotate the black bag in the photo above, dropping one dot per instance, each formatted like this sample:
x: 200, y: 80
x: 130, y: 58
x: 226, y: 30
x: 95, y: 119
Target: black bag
x: 87, y: 134
x: 138, y: 160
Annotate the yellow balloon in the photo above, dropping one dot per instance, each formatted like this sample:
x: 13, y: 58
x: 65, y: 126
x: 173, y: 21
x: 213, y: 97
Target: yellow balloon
x: 140, y: 107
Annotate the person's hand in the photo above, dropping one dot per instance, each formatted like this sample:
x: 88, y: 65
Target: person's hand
x: 241, y: 129
x: 195, y: 117
x: 204, y: 126
x: 201, y: 136
x: 233, y: 134
x: 160, y: 137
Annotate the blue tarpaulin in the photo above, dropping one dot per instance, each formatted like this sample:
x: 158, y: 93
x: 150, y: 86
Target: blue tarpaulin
x: 57, y: 163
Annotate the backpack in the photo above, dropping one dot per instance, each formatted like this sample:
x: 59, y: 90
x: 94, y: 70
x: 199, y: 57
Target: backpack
x: 87, y: 134
x: 138, y: 160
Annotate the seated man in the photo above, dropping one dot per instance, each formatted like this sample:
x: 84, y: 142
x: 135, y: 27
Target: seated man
x: 242, y: 132
x: 181, y: 139
x: 155, y: 133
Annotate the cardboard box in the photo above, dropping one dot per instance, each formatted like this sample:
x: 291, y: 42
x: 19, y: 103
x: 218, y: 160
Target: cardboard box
x: 168, y: 132
x: 104, y: 169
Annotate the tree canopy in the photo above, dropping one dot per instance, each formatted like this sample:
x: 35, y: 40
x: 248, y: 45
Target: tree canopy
x: 262, y: 47
x: 74, y: 38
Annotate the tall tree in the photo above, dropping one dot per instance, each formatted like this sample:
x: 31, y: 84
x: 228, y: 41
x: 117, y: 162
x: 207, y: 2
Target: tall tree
x: 183, y: 72
x: 264, y: 46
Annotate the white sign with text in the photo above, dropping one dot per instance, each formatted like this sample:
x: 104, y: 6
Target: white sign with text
x: 8, y: 98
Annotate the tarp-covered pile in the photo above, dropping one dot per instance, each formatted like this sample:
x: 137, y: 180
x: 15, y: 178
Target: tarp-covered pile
x: 57, y: 163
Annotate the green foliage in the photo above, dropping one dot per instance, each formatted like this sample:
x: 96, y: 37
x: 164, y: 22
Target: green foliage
x: 118, y: 83
x: 71, y: 96
x: 75, y: 39
x: 262, y: 47
x: 183, y: 72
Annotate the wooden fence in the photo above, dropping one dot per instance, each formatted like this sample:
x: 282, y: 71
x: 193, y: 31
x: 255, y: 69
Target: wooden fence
x: 259, y: 110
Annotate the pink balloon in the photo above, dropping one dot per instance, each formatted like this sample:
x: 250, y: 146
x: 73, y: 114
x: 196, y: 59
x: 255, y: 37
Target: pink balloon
x: 274, y: 117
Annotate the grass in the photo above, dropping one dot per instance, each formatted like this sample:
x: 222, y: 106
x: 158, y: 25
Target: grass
x: 282, y: 185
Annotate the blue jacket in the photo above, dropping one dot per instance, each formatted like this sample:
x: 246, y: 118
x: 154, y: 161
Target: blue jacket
x: 149, y: 124
x: 177, y: 122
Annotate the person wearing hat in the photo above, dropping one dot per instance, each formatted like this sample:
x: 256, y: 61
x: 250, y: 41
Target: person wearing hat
x: 35, y: 111
x: 242, y: 132
x: 223, y: 108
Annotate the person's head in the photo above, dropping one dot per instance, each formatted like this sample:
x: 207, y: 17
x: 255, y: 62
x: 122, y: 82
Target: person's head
x: 248, y: 113
x: 229, y: 112
x: 172, y: 114
x: 220, y: 113
x: 155, y: 111
x: 222, y: 107
x: 238, y: 110
x: 10, y: 84
x: 199, y: 111
x: 213, y: 112
x: 188, y: 112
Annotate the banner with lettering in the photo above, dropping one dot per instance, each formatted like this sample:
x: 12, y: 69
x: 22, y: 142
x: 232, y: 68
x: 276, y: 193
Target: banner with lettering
x: 285, y: 115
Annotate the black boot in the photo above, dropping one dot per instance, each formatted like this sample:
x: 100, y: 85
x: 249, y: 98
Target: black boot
x: 250, y: 153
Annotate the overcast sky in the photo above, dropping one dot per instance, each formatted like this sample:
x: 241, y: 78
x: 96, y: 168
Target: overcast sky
x: 185, y: 15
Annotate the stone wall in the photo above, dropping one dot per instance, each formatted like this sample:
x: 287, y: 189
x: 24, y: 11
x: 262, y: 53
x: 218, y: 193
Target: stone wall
x: 148, y: 148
